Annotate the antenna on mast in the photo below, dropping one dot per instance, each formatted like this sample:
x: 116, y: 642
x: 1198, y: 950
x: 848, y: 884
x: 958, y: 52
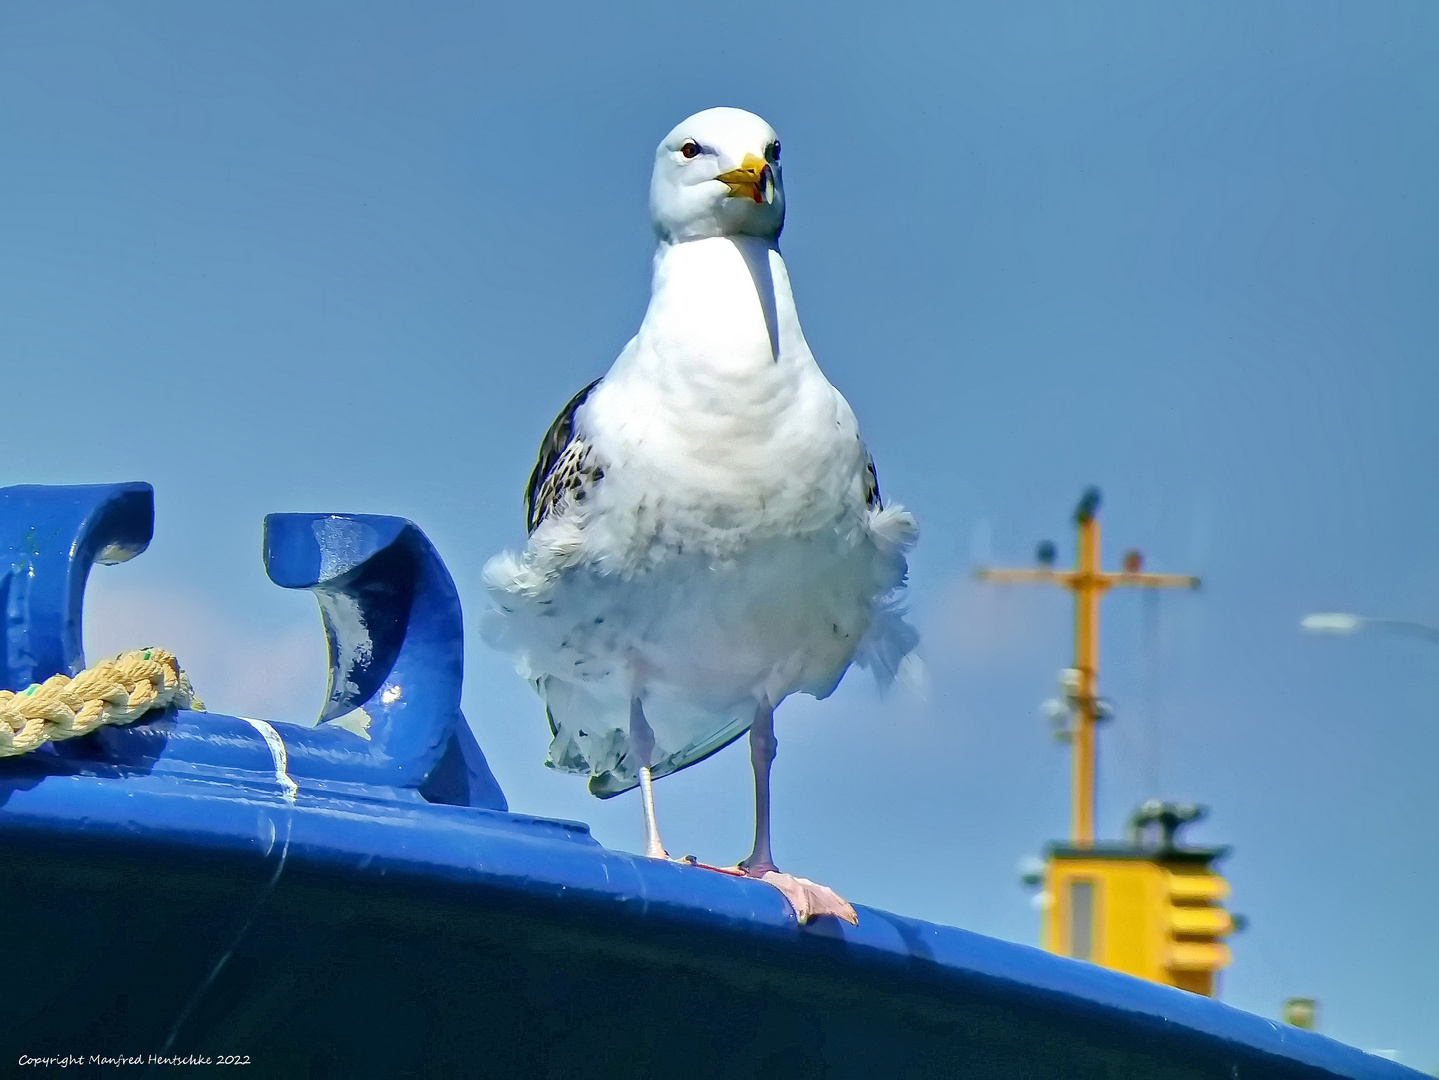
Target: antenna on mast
x: 1088, y: 582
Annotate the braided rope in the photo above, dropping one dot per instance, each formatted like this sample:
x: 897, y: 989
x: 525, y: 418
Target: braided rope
x: 115, y: 691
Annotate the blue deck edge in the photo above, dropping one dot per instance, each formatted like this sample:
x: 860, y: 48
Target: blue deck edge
x: 485, y: 853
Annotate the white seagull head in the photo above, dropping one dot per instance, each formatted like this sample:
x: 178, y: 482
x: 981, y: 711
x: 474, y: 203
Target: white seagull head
x: 718, y: 174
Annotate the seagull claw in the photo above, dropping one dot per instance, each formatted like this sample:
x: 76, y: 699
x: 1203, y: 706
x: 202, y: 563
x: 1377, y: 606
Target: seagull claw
x: 809, y: 898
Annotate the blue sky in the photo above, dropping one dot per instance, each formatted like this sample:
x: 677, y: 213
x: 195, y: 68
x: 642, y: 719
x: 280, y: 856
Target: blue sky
x: 353, y: 257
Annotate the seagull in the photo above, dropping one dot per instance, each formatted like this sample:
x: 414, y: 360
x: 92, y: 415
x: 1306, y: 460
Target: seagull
x: 706, y: 531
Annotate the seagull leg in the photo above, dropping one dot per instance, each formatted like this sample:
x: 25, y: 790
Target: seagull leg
x: 642, y: 738
x: 806, y: 897
x: 762, y: 750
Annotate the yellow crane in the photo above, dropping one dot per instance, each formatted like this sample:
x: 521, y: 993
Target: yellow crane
x: 1148, y: 905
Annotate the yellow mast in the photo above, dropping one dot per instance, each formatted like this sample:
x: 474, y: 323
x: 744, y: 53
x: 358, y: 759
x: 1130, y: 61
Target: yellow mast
x: 1088, y: 583
x: 1149, y: 907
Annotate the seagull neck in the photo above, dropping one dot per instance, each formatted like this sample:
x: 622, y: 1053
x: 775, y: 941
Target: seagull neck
x: 732, y: 292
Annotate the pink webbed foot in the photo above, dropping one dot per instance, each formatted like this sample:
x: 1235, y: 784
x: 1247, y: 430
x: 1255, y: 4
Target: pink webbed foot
x: 809, y: 898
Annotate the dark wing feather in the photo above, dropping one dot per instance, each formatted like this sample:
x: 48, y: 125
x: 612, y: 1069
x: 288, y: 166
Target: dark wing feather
x: 871, y: 485
x: 538, y: 501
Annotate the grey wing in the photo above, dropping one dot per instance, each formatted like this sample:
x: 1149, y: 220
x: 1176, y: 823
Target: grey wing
x: 558, y: 467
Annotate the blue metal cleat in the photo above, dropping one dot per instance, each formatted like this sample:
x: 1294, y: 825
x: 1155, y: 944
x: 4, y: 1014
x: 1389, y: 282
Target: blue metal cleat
x: 354, y: 899
x: 392, y: 718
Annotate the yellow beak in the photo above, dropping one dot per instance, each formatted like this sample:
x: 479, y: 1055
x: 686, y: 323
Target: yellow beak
x: 752, y: 179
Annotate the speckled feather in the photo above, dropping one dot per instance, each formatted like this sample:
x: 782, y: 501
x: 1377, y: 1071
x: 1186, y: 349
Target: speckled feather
x: 561, y: 466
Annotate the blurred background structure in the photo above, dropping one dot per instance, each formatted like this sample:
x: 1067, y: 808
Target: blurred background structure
x: 1343, y: 622
x: 1150, y: 905
x: 324, y: 256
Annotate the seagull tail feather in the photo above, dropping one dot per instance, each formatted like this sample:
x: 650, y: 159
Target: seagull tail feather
x: 888, y: 646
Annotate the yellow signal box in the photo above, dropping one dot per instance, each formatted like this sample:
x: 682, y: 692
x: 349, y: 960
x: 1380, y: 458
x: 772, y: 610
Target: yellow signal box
x: 1149, y: 910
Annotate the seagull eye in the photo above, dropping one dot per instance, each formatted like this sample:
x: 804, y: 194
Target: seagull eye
x: 772, y: 152
x: 690, y: 148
